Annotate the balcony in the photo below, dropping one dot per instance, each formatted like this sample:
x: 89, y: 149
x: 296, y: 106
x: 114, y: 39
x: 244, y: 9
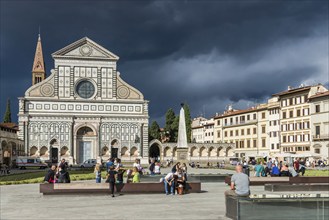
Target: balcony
x: 320, y: 137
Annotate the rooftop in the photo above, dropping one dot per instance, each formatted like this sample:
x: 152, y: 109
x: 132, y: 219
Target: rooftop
x: 320, y: 94
x: 291, y: 91
x: 11, y: 126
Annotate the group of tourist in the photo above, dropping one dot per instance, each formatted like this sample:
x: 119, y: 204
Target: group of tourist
x: 58, y: 173
x: 176, y: 179
x: 155, y: 167
x: 273, y: 168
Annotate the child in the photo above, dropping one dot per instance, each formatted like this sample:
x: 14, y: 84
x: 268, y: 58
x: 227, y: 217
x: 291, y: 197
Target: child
x: 111, y: 178
x: 136, y: 175
x: 97, y: 172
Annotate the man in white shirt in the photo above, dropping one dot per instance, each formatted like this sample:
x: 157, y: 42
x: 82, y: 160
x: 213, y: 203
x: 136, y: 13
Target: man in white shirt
x: 169, y: 180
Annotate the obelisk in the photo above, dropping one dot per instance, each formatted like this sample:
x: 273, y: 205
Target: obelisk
x: 182, y: 147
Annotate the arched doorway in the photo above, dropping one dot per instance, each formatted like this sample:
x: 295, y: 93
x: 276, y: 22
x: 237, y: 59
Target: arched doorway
x: 154, y: 151
x: 5, y: 153
x: 86, y: 138
x: 114, y: 148
x: 54, y: 151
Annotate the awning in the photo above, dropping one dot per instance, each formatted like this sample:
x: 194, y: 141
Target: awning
x: 284, y: 155
x: 306, y: 154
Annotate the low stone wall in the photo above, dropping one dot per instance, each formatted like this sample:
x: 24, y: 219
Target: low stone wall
x: 297, y: 187
x: 285, y: 206
x: 103, y: 188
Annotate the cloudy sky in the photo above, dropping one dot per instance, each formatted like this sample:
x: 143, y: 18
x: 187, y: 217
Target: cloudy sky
x: 207, y: 53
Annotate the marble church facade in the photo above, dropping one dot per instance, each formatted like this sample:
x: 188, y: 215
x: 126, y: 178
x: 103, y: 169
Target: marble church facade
x: 83, y: 109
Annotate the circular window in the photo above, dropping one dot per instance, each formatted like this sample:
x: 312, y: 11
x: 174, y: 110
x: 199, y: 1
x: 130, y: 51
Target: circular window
x: 85, y: 89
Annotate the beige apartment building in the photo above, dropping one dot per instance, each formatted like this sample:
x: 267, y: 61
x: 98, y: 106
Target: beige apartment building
x: 295, y: 118
x: 294, y: 121
x: 246, y: 129
x: 273, y: 125
x: 319, y: 107
x: 202, y: 130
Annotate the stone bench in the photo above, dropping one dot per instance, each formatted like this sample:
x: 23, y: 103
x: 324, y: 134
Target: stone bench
x: 284, y: 206
x: 103, y: 188
x: 191, y: 178
x: 259, y: 181
x: 297, y: 187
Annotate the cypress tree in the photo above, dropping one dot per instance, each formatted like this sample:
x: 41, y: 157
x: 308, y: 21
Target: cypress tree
x: 154, y: 132
x: 170, y: 118
x: 7, y: 117
x: 188, y: 122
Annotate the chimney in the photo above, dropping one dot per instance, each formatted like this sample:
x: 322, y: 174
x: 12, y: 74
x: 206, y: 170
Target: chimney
x: 289, y: 87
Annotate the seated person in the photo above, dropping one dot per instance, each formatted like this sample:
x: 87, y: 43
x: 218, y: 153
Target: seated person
x: 136, y: 175
x: 275, y: 170
x: 259, y: 169
x: 63, y: 176
x: 170, y: 180
x: 302, y: 169
x: 157, y: 168
x: 50, y: 175
x: 239, y: 183
x: 181, y: 180
x: 292, y: 171
x: 284, y: 170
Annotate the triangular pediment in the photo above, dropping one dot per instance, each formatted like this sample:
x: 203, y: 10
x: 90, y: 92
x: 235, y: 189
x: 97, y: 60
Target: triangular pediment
x: 85, y: 48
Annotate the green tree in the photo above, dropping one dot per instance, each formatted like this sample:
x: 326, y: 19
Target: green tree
x: 174, y: 130
x: 7, y: 117
x: 188, y: 122
x: 154, y: 131
x: 170, y: 118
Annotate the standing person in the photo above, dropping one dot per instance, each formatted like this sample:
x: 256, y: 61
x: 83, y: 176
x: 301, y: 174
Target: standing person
x: 239, y: 183
x: 296, y: 165
x: 97, y: 172
x: 152, y: 167
x: 63, y: 165
x: 109, y: 163
x: 169, y: 180
x: 50, y: 176
x: 111, y: 178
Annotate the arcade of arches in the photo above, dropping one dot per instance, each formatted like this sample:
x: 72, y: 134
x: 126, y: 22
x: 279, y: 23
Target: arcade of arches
x: 196, y: 151
x: 10, y: 145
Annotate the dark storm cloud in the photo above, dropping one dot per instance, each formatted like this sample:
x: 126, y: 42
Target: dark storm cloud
x: 207, y: 53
